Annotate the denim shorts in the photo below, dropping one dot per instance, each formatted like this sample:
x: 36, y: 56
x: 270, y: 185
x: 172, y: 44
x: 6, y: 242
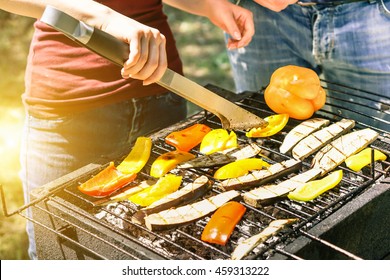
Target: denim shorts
x: 347, y: 44
x: 52, y: 148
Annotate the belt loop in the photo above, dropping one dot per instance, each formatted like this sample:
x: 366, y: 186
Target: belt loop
x: 372, y: 1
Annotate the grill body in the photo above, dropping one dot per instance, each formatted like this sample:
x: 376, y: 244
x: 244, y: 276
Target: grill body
x: 348, y: 223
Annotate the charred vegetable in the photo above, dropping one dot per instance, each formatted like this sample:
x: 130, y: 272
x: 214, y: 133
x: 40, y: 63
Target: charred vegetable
x: 106, y: 182
x: 301, y: 131
x: 188, y: 213
x: 313, y: 189
x: 239, y: 168
x: 188, y: 138
x: 138, y: 156
x: 221, y: 158
x: 222, y: 223
x: 168, y: 161
x: 363, y: 158
x: 186, y: 194
x: 275, y: 124
x: 164, y: 186
x: 218, y: 140
x: 261, y: 177
x: 268, y: 194
x: 249, y: 244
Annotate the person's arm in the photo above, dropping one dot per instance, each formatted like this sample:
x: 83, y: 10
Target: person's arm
x: 147, y: 60
x: 233, y: 19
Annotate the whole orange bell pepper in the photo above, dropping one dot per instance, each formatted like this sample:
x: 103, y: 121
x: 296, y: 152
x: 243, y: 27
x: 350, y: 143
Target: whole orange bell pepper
x: 188, y: 138
x: 296, y: 91
x: 222, y: 223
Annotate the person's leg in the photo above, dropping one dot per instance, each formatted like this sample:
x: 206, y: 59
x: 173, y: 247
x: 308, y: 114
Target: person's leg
x: 53, y: 148
x: 281, y: 38
x: 358, y: 56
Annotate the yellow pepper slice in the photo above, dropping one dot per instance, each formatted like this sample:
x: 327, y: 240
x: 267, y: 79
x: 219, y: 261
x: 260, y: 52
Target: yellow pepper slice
x: 138, y: 156
x: 363, y: 158
x: 167, y: 161
x: 312, y: 189
x: 218, y: 140
x: 164, y: 186
x: 239, y: 168
x: 275, y: 124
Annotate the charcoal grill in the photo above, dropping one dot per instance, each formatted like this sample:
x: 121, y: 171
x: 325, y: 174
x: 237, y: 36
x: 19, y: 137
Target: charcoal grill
x: 349, y: 222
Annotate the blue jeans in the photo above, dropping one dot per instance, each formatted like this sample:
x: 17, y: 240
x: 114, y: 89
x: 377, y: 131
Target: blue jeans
x: 52, y: 148
x: 347, y: 44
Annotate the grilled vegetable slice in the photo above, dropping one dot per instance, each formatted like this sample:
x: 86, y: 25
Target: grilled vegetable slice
x: 275, y: 124
x: 320, y: 138
x: 168, y: 161
x: 268, y: 194
x: 164, y: 186
x: 261, y: 177
x: 221, y: 158
x: 186, y: 194
x: 249, y: 244
x: 239, y: 168
x: 222, y: 223
x: 188, y: 213
x: 106, y: 182
x: 188, y: 138
x: 301, y: 131
x: 336, y: 152
x: 363, y: 158
x: 313, y: 189
x: 218, y: 140
x: 138, y: 156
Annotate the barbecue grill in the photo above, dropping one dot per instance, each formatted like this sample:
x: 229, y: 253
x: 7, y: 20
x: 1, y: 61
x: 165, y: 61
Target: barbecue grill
x: 348, y: 222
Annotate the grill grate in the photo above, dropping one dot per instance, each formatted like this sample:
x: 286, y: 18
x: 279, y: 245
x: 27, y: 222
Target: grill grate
x: 71, y: 213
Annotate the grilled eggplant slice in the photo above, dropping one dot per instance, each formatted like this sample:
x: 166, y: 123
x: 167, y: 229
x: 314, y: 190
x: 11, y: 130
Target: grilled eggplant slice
x: 261, y: 177
x: 268, y: 194
x: 336, y: 152
x: 175, y: 217
x: 186, y: 194
x: 301, y: 131
x: 320, y: 138
x: 221, y: 158
x: 249, y: 244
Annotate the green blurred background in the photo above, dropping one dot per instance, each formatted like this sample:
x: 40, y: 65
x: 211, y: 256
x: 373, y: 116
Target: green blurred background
x: 201, y: 47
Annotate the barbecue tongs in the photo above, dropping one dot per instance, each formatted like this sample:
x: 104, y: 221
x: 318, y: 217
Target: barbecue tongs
x: 106, y: 45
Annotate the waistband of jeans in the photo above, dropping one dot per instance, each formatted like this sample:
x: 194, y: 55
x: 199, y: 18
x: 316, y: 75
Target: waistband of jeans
x: 305, y: 3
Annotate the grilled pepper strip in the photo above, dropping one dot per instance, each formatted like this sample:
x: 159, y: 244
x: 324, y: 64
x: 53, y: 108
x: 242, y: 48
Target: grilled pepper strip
x: 239, y: 168
x: 164, y: 186
x: 106, y: 182
x: 222, y: 223
x: 138, y: 156
x: 188, y: 138
x: 167, y: 161
x: 363, y: 158
x: 313, y: 189
x: 275, y: 124
x: 218, y: 140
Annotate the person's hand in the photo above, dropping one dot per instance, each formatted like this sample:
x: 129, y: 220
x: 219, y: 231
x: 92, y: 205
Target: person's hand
x: 234, y: 20
x: 275, y: 5
x: 148, y: 58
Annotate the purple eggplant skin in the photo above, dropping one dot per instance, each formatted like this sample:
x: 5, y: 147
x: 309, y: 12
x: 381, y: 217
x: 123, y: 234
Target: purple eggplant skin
x: 227, y: 186
x: 139, y: 216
